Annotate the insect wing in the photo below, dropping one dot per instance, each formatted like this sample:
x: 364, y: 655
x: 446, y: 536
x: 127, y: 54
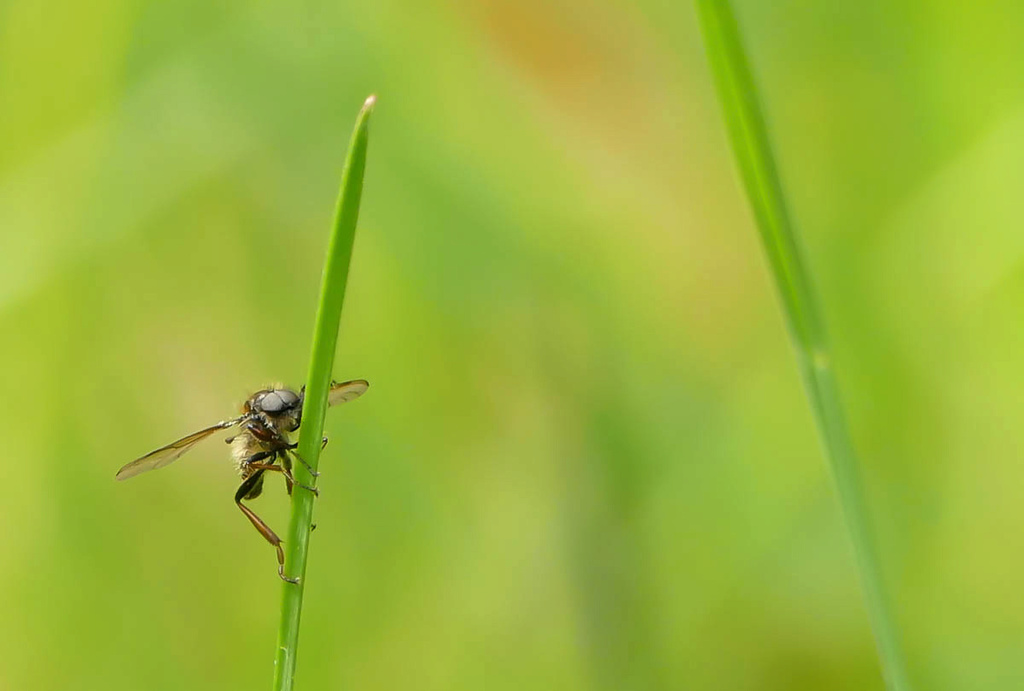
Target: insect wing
x: 346, y: 391
x: 170, y: 453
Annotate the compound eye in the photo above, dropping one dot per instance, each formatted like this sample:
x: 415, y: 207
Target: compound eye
x: 272, y: 403
x: 288, y: 398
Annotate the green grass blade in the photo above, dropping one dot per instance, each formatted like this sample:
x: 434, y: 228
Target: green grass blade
x: 750, y: 144
x: 321, y: 365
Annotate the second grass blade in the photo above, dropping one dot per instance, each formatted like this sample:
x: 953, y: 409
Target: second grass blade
x: 750, y: 144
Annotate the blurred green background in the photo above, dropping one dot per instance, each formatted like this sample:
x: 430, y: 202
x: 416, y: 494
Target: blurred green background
x: 585, y: 461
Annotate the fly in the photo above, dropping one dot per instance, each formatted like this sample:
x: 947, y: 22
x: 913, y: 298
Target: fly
x: 267, y: 419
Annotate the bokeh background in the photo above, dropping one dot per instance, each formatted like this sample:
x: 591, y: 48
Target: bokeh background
x: 585, y: 461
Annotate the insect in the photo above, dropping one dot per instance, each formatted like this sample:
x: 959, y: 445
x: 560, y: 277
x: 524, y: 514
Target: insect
x: 268, y: 416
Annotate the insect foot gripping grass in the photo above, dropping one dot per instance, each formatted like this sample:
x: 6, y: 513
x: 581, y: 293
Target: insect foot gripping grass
x: 318, y: 387
x: 749, y: 136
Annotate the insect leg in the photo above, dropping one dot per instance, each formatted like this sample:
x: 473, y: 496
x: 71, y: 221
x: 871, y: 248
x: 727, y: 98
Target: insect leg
x: 287, y: 476
x: 259, y: 456
x: 289, y: 479
x: 269, y: 535
x: 291, y: 449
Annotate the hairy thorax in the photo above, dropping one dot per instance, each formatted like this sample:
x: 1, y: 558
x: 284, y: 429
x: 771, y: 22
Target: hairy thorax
x: 245, y: 445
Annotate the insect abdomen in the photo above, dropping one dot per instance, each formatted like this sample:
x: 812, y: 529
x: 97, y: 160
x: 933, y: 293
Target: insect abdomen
x: 243, y: 446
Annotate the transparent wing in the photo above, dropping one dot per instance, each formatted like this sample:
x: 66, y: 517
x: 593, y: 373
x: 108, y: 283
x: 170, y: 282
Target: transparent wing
x: 172, y: 452
x: 346, y: 391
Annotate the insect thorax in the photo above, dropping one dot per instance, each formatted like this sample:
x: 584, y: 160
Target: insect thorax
x: 245, y: 445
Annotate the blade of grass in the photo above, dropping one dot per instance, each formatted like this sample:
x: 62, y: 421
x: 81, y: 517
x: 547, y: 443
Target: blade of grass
x: 318, y: 381
x: 751, y: 147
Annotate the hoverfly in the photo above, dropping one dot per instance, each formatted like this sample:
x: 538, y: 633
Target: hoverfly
x: 268, y: 416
